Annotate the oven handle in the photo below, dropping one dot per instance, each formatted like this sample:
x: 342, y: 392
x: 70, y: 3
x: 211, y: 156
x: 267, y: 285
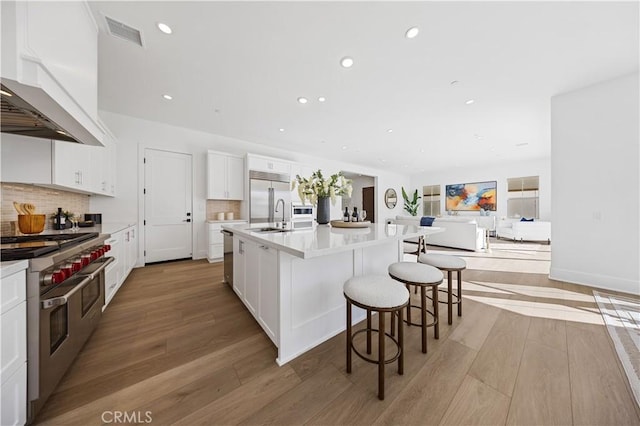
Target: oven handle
x: 97, y: 272
x: 61, y: 300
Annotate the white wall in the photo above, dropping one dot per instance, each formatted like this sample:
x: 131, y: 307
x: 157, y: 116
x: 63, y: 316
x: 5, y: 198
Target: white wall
x: 594, y: 151
x: 498, y: 172
x: 133, y: 135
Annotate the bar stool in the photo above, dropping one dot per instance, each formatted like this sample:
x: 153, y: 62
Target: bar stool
x: 449, y: 264
x: 423, y: 276
x: 376, y: 293
x: 415, y: 248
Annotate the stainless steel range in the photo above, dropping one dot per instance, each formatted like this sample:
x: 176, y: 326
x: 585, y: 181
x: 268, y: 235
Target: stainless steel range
x: 65, y: 296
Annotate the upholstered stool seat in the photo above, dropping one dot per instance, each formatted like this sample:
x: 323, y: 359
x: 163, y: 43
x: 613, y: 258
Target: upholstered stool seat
x: 381, y: 294
x: 423, y: 276
x: 449, y: 264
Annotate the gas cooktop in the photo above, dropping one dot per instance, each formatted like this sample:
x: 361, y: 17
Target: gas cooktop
x: 32, y: 246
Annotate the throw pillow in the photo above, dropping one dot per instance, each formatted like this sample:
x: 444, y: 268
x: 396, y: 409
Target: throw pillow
x: 427, y: 220
x: 524, y: 219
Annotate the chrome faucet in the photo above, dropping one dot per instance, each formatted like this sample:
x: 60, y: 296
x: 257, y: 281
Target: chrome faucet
x: 283, y: 211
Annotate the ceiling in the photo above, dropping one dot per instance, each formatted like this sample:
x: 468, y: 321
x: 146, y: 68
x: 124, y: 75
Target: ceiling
x: 237, y: 69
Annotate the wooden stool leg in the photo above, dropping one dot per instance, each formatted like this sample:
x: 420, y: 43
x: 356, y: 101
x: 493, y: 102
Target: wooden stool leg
x: 393, y: 324
x: 436, y: 313
x: 400, y: 342
x: 423, y: 305
x: 460, y: 293
x: 450, y: 297
x: 381, y: 355
x: 409, y: 306
x: 348, y: 336
x: 368, y: 331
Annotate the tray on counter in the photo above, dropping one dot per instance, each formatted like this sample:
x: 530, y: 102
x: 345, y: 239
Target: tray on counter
x: 342, y: 224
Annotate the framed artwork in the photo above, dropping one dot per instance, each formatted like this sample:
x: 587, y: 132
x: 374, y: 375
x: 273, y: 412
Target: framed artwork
x: 474, y: 196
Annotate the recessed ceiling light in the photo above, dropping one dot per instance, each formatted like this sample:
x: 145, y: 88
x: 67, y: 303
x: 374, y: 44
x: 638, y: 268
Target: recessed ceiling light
x: 389, y: 130
x: 454, y: 82
x: 344, y: 147
x: 5, y: 93
x: 470, y: 101
x: 167, y: 97
x: 412, y: 32
x: 346, y: 62
x: 322, y: 99
x: 421, y: 149
x: 164, y: 28
x: 303, y: 100
x: 282, y: 130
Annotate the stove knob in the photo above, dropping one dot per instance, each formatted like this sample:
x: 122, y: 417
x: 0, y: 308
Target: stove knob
x: 107, y: 247
x: 93, y: 255
x: 57, y: 277
x: 76, y: 265
x: 85, y: 260
x: 67, y: 269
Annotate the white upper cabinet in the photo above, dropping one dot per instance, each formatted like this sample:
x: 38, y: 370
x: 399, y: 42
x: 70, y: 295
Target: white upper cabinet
x: 72, y: 165
x: 267, y: 164
x: 66, y: 165
x: 225, y: 176
x: 50, y: 59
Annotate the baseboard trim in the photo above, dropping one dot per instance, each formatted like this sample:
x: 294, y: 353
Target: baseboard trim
x: 596, y: 280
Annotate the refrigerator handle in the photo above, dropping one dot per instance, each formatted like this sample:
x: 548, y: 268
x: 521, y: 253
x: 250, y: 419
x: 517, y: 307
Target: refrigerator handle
x: 271, y: 204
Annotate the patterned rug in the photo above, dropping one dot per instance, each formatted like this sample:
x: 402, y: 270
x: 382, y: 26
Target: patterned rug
x: 622, y: 318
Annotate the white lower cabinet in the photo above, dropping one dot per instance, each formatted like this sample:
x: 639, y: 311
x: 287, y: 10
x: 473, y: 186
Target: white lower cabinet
x: 13, y: 360
x: 124, y: 250
x: 255, y: 281
x: 268, y: 291
x: 216, y: 240
x: 239, y: 268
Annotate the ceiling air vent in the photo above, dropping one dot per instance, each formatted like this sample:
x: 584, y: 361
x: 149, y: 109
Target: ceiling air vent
x: 123, y: 31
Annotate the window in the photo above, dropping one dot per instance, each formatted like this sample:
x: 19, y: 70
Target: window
x: 522, y: 198
x: 431, y: 200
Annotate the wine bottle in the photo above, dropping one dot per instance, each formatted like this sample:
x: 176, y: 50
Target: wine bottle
x: 354, y: 215
x: 345, y: 216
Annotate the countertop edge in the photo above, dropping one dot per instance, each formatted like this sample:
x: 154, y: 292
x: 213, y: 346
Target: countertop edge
x: 307, y: 254
x: 11, y: 267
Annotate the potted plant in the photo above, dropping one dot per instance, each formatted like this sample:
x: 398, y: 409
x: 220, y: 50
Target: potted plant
x: 411, y: 205
x: 318, y: 191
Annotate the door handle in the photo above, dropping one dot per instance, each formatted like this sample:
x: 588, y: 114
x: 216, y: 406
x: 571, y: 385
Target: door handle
x: 188, y: 214
x: 187, y: 220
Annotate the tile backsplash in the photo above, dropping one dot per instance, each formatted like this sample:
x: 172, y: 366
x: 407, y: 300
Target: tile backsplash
x: 45, y: 200
x: 222, y: 206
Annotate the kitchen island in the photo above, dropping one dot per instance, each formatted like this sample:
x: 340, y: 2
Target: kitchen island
x: 291, y: 282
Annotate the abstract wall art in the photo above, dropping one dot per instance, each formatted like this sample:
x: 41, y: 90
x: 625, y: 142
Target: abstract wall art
x: 474, y: 196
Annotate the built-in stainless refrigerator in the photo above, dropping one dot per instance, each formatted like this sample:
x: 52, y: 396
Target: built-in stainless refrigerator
x: 266, y: 189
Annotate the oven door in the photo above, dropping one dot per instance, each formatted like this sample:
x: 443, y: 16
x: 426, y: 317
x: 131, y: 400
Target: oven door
x: 68, y: 315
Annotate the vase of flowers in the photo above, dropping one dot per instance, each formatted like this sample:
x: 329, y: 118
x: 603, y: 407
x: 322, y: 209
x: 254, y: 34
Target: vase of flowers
x: 318, y: 191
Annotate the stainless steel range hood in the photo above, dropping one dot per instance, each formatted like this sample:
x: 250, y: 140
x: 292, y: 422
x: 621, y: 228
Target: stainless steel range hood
x: 30, y: 111
x: 19, y: 117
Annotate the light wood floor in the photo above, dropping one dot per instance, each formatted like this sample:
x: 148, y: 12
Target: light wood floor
x: 178, y: 345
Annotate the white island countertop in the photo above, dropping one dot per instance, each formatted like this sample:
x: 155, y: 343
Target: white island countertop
x: 323, y: 240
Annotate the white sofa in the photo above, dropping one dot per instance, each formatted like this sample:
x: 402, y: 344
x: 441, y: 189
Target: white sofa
x: 514, y: 229
x: 459, y: 232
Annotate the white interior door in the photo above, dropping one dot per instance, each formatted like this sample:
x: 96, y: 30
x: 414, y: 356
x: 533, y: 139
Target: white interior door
x: 167, y: 205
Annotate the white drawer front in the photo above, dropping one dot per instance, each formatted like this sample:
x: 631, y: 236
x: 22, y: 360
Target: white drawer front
x: 14, y: 340
x: 13, y: 290
x: 14, y: 398
x: 215, y: 236
x: 216, y: 251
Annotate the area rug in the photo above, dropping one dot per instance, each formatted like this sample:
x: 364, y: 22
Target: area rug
x: 622, y: 318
